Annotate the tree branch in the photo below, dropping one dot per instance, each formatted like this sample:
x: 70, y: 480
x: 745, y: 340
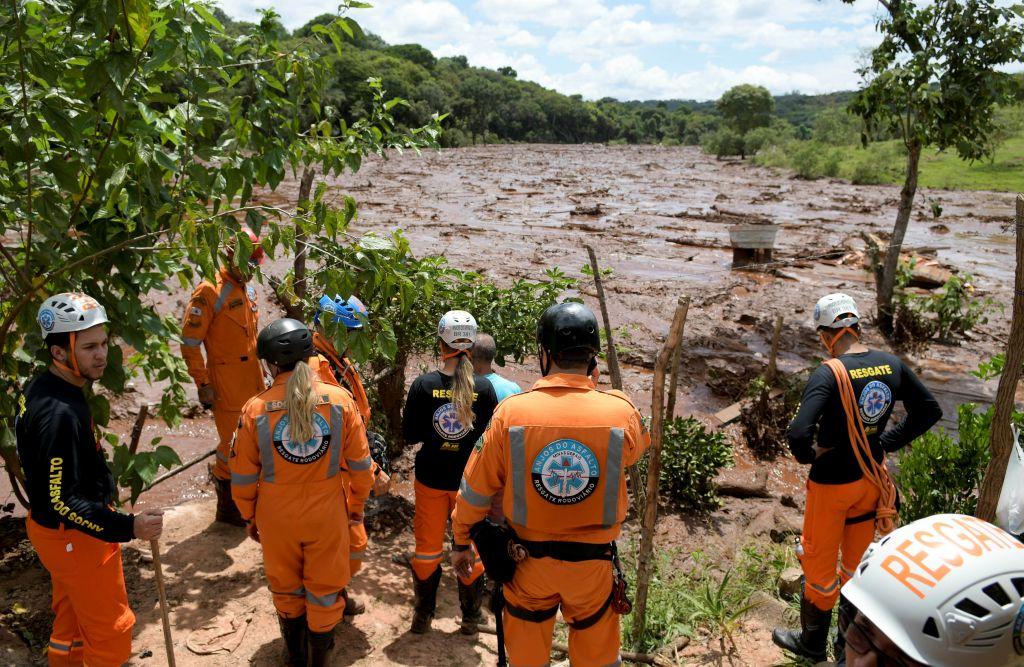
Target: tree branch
x: 28, y: 160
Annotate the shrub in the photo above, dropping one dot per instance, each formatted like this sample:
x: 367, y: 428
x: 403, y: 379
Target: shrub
x: 813, y: 159
x: 765, y: 420
x: 691, y: 457
x: 945, y: 315
x: 938, y: 475
x: 867, y: 169
x: 722, y: 142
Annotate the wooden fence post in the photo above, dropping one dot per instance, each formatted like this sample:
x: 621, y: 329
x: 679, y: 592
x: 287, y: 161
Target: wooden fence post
x: 774, y: 354
x: 644, y: 563
x: 613, y: 357
x: 1000, y: 437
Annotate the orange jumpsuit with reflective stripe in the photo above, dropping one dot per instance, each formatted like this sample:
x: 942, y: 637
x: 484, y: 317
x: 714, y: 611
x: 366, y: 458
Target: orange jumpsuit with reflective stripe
x: 223, y: 318
x: 330, y: 361
x: 296, y: 493
x: 557, y: 455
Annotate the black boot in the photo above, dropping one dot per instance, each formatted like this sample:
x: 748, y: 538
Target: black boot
x: 470, y: 599
x: 320, y: 645
x: 812, y: 639
x: 846, y: 612
x: 425, y: 601
x: 294, y: 632
x: 353, y: 607
x: 227, y: 511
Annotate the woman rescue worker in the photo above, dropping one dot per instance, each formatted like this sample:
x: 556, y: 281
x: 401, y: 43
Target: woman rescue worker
x: 335, y: 368
x: 295, y: 443
x: 845, y: 407
x: 447, y: 411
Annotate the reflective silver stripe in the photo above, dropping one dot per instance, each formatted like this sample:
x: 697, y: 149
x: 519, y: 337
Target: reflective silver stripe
x: 335, y: 457
x: 298, y: 592
x: 191, y: 342
x: 517, y: 454
x: 419, y: 556
x: 359, y: 464
x: 221, y: 457
x: 356, y: 555
x: 826, y: 590
x: 77, y: 643
x: 322, y: 600
x: 59, y: 646
x: 612, y: 474
x: 472, y: 497
x: 225, y: 292
x: 617, y: 663
x: 239, y: 479
x: 266, y: 447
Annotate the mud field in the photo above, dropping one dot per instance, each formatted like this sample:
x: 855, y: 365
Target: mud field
x: 659, y: 218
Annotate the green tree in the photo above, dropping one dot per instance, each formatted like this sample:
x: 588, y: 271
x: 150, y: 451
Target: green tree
x: 935, y: 80
x: 745, y: 107
x: 414, y: 53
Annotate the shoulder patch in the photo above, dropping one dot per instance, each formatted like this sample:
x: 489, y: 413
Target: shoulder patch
x: 274, y: 406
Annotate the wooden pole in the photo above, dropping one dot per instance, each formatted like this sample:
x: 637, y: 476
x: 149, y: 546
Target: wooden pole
x: 774, y: 354
x: 140, y: 423
x: 677, y: 361
x: 613, y: 357
x: 644, y: 562
x: 158, y: 568
x: 1000, y: 437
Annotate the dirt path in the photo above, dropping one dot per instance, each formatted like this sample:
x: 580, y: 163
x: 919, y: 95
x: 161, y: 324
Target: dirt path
x: 660, y: 222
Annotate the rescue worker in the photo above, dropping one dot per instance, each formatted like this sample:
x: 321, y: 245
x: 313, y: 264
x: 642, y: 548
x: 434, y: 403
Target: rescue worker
x: 447, y: 411
x: 224, y: 319
x: 484, y: 351
x: 557, y: 454
x: 944, y: 591
x: 294, y: 444
x: 338, y: 369
x: 71, y: 524
x: 848, y: 489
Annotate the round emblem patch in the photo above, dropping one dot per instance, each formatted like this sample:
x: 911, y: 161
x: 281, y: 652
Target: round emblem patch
x: 46, y: 319
x: 447, y: 424
x: 250, y: 292
x: 302, y: 452
x: 874, y: 400
x: 1018, y: 632
x: 817, y: 312
x: 565, y: 472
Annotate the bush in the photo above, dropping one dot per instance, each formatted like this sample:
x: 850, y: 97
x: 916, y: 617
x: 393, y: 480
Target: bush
x: 946, y: 315
x: 813, y: 159
x: 722, y: 142
x: 691, y: 457
x: 937, y: 475
x: 867, y: 169
x: 765, y: 420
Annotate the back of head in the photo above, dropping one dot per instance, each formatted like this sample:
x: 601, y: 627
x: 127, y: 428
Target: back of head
x: 457, y: 330
x: 484, y: 348
x: 284, y: 342
x: 570, y: 335
x: 947, y: 590
x: 836, y: 311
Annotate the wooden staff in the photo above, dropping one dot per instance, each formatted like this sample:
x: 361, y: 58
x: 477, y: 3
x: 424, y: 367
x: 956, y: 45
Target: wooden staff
x: 1000, y: 438
x: 773, y: 356
x: 644, y: 562
x: 140, y: 423
x: 158, y: 568
x: 677, y: 360
x: 613, y: 358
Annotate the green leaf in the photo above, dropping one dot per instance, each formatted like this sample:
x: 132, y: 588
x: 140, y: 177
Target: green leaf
x: 99, y: 406
x: 166, y: 457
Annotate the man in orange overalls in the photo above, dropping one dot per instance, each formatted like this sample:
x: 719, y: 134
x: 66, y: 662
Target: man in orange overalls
x: 224, y: 318
x: 558, y: 455
x: 288, y: 480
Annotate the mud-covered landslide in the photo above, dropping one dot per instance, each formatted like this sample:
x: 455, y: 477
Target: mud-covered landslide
x: 659, y: 218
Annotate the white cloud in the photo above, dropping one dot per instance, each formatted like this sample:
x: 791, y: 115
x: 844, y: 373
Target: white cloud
x: 552, y: 13
x: 524, y: 40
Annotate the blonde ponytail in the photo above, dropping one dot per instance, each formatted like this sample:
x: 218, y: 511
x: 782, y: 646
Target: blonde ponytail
x: 462, y: 391
x: 300, y: 399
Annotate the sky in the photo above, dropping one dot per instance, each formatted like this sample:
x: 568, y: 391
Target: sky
x: 647, y: 49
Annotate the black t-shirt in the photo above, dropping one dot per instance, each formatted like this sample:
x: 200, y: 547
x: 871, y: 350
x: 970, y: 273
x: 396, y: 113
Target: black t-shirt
x: 879, y: 380
x: 430, y: 418
x: 66, y: 475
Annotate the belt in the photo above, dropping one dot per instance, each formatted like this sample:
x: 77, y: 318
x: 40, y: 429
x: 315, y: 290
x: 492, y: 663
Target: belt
x: 573, y: 552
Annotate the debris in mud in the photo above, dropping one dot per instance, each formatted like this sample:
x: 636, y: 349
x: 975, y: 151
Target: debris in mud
x: 939, y: 229
x: 587, y: 210
x: 730, y: 378
x: 766, y: 416
x: 388, y: 515
x: 743, y: 482
x: 221, y: 635
x: 582, y: 226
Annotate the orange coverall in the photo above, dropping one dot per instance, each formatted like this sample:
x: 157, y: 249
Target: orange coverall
x: 296, y: 493
x: 558, y: 456
x: 330, y: 360
x: 223, y: 318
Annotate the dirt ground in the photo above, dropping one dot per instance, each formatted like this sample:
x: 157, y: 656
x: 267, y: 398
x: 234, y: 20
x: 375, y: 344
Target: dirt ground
x: 659, y: 218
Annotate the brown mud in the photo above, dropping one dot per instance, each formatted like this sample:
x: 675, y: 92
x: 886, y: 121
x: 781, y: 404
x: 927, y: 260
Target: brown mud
x: 658, y: 217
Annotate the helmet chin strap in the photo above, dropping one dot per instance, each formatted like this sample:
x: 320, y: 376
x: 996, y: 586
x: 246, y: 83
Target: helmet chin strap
x: 830, y: 342
x: 544, y: 368
x: 73, y: 369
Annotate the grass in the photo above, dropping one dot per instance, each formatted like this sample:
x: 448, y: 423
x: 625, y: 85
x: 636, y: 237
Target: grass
x: 884, y: 162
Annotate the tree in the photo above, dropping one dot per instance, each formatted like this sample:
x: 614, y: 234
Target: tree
x: 508, y: 71
x: 414, y: 53
x: 935, y: 80
x: 745, y: 107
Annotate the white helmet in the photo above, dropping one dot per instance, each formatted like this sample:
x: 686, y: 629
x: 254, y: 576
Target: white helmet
x: 831, y: 306
x: 457, y: 329
x: 947, y: 590
x: 69, y: 312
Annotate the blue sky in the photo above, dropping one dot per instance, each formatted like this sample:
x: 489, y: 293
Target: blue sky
x: 649, y: 49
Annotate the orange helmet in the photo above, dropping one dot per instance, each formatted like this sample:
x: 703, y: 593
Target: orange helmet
x: 257, y: 256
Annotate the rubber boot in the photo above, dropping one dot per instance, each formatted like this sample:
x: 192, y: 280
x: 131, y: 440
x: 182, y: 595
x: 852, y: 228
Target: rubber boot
x: 846, y: 612
x: 471, y: 597
x: 320, y: 645
x: 227, y: 511
x: 294, y: 631
x: 353, y: 607
x: 811, y: 640
x: 425, y: 601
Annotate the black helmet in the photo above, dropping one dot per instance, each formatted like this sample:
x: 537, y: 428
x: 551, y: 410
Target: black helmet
x: 568, y: 327
x: 284, y: 342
